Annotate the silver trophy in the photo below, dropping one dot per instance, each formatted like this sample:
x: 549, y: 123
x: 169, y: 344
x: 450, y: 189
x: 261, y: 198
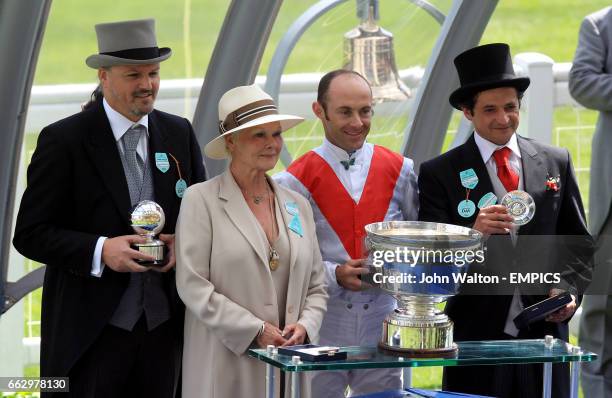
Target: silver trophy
x: 419, y: 282
x: 520, y: 206
x: 148, y: 220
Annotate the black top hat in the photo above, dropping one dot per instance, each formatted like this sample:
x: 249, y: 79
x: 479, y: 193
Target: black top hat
x: 483, y: 68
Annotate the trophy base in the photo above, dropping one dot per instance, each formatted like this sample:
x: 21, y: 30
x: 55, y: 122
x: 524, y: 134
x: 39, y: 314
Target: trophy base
x: 154, y: 249
x: 155, y: 263
x: 428, y: 335
x: 450, y: 352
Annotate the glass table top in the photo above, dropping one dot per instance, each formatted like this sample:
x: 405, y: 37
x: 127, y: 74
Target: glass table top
x: 470, y: 353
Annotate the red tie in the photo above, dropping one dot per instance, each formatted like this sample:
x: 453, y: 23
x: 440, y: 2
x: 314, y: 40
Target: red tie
x: 506, y: 175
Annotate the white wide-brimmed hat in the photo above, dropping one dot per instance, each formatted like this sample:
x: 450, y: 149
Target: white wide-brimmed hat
x: 127, y: 43
x: 243, y: 107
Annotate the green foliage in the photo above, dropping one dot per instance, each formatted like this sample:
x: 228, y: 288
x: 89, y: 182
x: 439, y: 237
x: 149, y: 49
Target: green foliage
x: 544, y: 26
x: 70, y: 37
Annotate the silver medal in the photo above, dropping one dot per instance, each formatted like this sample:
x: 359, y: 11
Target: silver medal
x: 520, y: 206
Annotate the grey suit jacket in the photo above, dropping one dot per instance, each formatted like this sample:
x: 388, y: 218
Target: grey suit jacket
x: 590, y: 84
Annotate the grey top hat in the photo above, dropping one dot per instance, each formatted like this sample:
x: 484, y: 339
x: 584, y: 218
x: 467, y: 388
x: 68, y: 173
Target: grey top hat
x: 127, y: 43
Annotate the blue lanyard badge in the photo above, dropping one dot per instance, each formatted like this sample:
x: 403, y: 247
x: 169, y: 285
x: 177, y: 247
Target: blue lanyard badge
x: 162, y: 162
x: 466, y: 208
x: 469, y: 179
x: 488, y: 199
x: 180, y: 187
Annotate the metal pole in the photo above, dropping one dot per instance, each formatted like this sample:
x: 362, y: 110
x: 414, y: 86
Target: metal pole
x: 234, y: 62
x: 546, y: 390
x: 297, y: 29
x: 283, y: 50
x: 295, y: 385
x: 431, y: 113
x: 269, y: 381
x: 295, y: 379
x: 269, y: 374
x: 22, y: 25
x: 549, y: 342
x: 575, y: 373
x: 407, y: 377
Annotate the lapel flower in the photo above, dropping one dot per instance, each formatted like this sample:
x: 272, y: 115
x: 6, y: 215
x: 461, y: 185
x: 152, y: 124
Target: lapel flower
x: 552, y: 183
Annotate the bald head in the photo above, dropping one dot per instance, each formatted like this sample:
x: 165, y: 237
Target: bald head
x: 339, y: 74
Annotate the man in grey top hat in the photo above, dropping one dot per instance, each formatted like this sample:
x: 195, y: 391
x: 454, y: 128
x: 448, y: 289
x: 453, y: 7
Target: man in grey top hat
x: 109, y: 323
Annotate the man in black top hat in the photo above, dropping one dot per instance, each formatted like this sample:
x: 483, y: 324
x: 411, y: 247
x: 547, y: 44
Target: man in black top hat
x: 112, y: 326
x: 465, y: 185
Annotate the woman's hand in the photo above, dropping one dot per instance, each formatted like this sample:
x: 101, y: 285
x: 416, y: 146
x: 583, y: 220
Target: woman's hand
x: 295, y: 333
x: 271, y: 336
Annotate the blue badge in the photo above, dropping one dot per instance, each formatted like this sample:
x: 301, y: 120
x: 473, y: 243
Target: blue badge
x: 161, y: 161
x: 469, y: 179
x: 466, y: 208
x: 292, y: 208
x: 296, y: 226
x: 489, y: 199
x: 180, y: 188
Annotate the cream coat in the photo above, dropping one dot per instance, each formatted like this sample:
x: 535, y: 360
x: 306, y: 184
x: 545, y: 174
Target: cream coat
x: 223, y: 277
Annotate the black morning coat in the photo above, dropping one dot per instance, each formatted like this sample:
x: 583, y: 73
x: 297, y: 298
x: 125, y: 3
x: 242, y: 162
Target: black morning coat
x: 77, y: 192
x: 559, y: 214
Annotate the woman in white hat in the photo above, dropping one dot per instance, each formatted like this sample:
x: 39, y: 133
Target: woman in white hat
x: 248, y: 263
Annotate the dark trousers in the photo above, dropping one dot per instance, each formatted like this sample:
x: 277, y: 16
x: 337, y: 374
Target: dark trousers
x: 132, y: 364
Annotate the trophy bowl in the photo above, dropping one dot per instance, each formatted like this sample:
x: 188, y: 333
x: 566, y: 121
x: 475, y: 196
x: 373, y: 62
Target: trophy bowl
x: 424, y: 269
x: 148, y: 220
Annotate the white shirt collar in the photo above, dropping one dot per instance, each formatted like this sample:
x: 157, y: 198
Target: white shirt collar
x: 340, y: 153
x: 119, y: 123
x: 487, y: 148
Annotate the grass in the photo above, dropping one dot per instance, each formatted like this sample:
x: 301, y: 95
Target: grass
x: 70, y: 38
x: 545, y: 26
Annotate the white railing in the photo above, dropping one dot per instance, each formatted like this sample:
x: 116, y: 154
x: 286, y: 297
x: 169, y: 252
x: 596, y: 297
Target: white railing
x: 53, y: 102
x: 548, y: 90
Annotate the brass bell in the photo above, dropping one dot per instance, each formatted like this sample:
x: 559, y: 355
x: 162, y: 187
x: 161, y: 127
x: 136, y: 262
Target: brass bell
x: 368, y: 49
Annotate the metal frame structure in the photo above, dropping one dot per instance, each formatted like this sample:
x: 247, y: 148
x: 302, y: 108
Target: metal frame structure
x: 235, y: 61
x: 295, y: 32
x: 430, y: 115
x: 26, y: 20
x: 284, y: 49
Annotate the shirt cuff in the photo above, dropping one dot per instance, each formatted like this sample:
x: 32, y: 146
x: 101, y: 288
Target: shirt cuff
x: 332, y: 282
x: 97, y: 266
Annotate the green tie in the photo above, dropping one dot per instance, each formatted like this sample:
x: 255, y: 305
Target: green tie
x: 347, y: 163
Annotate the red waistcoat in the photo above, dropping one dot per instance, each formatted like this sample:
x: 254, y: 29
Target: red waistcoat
x: 344, y: 216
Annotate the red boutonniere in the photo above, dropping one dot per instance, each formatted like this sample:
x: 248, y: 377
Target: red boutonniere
x: 552, y: 183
